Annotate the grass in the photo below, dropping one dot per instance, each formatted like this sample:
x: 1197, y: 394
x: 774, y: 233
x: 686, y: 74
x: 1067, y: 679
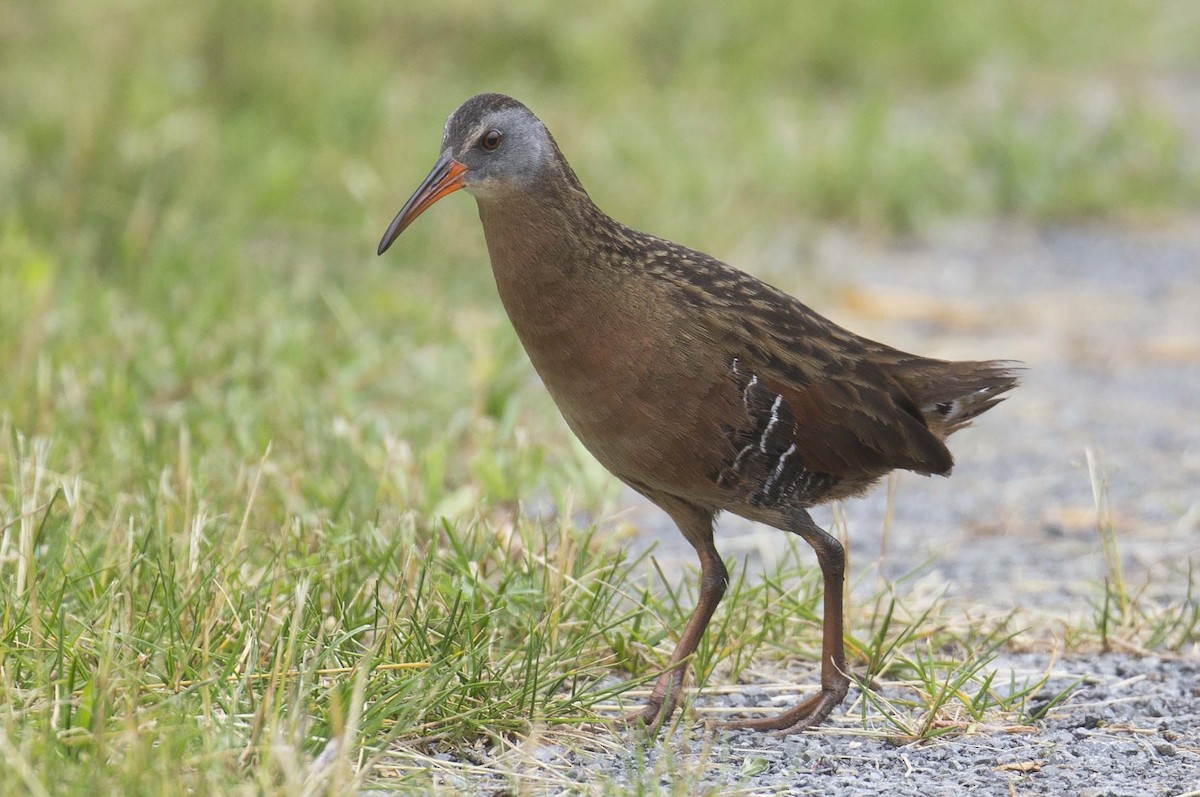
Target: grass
x: 278, y: 516
x: 1137, y: 619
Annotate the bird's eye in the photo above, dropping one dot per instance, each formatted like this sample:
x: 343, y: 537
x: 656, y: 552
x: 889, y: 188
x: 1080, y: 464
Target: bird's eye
x: 491, y: 139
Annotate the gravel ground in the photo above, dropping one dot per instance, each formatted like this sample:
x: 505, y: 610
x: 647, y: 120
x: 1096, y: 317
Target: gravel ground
x: 1133, y: 730
x: 1108, y: 324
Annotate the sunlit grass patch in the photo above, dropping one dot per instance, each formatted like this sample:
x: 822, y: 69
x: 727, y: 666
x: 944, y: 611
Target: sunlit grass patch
x: 217, y: 656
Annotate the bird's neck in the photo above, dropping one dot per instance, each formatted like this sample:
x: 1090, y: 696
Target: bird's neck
x: 543, y: 245
x: 567, y: 293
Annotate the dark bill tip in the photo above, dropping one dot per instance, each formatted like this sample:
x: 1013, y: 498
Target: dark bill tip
x: 446, y: 177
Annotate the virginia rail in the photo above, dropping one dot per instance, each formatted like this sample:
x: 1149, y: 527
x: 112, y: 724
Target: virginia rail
x: 694, y: 383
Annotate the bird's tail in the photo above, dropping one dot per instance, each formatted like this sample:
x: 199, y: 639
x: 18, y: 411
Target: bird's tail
x: 951, y: 394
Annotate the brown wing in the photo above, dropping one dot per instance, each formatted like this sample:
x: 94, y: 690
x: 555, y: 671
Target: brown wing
x: 824, y: 411
x: 848, y: 425
x: 803, y: 444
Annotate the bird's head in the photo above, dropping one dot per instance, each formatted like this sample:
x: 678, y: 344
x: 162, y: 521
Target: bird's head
x: 493, y: 145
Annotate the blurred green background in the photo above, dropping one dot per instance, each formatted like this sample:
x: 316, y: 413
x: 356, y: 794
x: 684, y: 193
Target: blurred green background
x: 190, y: 199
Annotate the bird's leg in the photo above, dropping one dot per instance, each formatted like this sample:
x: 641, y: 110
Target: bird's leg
x: 696, y: 526
x: 834, y: 681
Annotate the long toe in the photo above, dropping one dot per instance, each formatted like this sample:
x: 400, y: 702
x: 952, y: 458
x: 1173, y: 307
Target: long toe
x: 808, y: 714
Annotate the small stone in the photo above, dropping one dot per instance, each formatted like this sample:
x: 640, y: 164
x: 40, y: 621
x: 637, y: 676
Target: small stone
x: 1165, y: 748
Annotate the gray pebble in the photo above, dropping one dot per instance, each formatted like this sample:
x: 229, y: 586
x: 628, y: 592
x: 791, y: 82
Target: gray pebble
x: 1165, y: 748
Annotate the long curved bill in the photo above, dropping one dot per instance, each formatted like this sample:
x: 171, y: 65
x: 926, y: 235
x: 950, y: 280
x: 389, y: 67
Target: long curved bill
x: 445, y: 178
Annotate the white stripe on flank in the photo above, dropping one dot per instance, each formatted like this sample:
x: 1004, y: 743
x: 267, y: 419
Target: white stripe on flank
x: 737, y: 462
x: 746, y: 392
x: 778, y: 469
x: 762, y: 444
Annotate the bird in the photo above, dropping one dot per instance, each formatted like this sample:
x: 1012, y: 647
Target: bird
x: 701, y: 387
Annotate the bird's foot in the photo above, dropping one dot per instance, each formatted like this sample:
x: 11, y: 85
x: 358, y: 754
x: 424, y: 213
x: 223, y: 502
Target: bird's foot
x: 660, y: 705
x: 808, y: 714
x: 652, y: 716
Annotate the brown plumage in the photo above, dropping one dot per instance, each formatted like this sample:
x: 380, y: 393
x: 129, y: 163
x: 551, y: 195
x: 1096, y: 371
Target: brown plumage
x: 696, y: 384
